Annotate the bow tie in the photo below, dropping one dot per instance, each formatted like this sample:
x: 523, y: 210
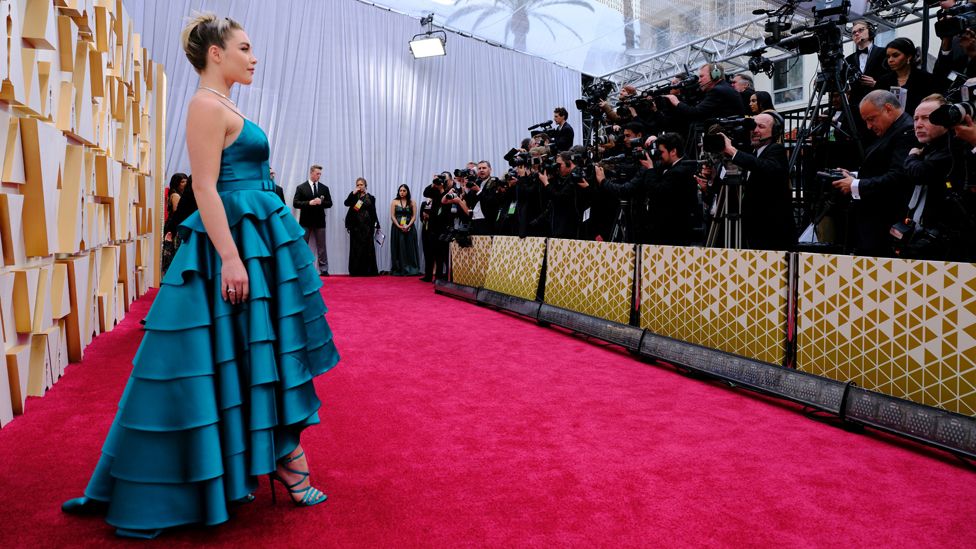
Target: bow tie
x: 865, y: 51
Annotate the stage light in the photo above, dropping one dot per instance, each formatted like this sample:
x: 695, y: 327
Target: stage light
x: 429, y: 44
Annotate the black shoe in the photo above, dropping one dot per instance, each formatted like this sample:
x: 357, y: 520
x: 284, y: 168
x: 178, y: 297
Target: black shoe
x: 426, y: 279
x: 324, y: 273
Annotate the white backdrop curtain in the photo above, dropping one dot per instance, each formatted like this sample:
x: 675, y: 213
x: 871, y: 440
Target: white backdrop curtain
x: 336, y: 85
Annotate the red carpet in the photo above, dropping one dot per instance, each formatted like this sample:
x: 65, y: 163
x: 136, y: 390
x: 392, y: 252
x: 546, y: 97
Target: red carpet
x: 449, y: 424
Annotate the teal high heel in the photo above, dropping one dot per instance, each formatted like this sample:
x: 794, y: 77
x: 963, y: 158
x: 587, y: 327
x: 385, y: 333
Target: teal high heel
x: 310, y: 496
x: 84, y: 506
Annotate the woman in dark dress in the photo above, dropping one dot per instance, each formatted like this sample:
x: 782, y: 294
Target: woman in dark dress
x: 403, y: 235
x: 361, y: 224
x: 902, y: 58
x: 171, y: 240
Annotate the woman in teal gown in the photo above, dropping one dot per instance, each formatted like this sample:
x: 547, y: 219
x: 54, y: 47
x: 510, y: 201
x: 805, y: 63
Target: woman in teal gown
x: 403, y: 235
x: 222, y: 384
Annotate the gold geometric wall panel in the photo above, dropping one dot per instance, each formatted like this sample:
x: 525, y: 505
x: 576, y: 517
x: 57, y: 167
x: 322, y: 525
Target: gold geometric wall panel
x: 903, y: 328
x: 593, y: 278
x: 469, y: 266
x: 732, y: 300
x: 57, y: 129
x: 515, y: 266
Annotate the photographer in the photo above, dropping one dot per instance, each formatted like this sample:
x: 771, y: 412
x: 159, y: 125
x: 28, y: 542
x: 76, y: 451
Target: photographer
x: 624, y: 115
x: 720, y: 100
x: 506, y: 222
x: 742, y: 83
x: 566, y: 197
x: 767, y: 203
x: 881, y: 188
x: 923, y: 234
x: 431, y: 223
x: 952, y: 56
x: 481, y: 198
x: 532, y: 204
x: 663, y: 194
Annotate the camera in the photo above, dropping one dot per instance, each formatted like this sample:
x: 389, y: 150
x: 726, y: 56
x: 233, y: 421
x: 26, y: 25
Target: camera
x: 737, y: 128
x: 466, y: 173
x: 952, y: 114
x: 827, y: 177
x: 955, y: 20
x: 516, y: 158
x: 593, y: 94
x: 440, y: 180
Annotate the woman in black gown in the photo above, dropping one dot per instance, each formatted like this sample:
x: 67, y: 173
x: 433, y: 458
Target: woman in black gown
x: 361, y: 224
x: 403, y: 235
x: 902, y: 60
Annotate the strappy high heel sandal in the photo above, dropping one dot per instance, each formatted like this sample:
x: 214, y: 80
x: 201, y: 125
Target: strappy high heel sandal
x: 310, y: 496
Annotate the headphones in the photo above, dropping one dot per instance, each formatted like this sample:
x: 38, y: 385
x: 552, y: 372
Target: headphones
x: 716, y: 72
x: 872, y: 28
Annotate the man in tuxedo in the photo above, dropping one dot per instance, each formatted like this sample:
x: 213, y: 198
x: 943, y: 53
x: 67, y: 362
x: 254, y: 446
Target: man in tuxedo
x: 484, y: 201
x: 871, y: 60
x: 562, y: 135
x: 882, y: 187
x: 767, y: 200
x: 312, y: 198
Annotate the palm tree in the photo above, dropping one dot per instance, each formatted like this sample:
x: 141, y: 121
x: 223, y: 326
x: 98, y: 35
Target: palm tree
x: 521, y: 13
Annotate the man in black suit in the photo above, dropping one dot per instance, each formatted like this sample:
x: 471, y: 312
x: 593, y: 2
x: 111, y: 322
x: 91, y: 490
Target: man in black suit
x: 872, y: 61
x: 312, y: 198
x: 278, y: 188
x: 882, y: 187
x: 720, y: 101
x: 663, y: 194
x: 562, y: 135
x: 767, y: 201
x: 742, y: 83
x: 567, y: 199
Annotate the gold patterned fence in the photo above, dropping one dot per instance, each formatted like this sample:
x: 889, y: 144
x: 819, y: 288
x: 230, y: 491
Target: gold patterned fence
x: 593, y: 278
x: 903, y: 328
x: 469, y: 266
x: 515, y: 266
x: 732, y: 300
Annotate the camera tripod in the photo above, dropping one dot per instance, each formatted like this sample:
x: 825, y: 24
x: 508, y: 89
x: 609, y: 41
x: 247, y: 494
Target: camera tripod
x: 620, y: 232
x: 829, y: 81
x: 727, y: 211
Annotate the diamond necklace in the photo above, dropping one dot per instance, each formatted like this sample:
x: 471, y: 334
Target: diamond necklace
x: 211, y: 90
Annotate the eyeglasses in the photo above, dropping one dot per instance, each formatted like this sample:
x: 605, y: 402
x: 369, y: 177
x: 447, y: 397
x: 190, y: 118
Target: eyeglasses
x: 858, y: 30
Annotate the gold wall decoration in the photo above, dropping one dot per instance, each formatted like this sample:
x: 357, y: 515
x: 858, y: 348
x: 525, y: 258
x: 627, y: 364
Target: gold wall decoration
x: 732, y: 300
x: 515, y: 265
x: 899, y: 327
x: 593, y: 278
x: 81, y: 122
x: 469, y: 266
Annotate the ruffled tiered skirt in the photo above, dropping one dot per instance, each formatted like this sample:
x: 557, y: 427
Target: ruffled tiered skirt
x: 218, y: 392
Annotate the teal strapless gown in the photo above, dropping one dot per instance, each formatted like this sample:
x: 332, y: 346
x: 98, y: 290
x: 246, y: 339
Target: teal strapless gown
x: 219, y: 392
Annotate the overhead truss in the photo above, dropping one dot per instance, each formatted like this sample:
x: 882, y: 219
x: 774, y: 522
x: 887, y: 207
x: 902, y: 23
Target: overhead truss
x: 734, y: 45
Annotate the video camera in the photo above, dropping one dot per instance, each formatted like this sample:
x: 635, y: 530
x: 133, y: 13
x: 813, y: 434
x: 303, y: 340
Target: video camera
x: 593, y: 94
x: 687, y: 88
x: 952, y: 114
x: 955, y: 20
x: 737, y: 128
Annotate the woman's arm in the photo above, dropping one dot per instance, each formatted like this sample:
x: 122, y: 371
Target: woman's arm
x: 174, y: 202
x: 206, y: 131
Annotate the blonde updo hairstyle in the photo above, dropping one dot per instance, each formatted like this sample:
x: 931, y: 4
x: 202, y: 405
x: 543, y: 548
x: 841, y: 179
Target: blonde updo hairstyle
x: 202, y: 31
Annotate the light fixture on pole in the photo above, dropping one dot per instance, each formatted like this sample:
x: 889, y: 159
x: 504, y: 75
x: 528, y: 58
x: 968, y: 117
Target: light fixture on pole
x: 430, y: 43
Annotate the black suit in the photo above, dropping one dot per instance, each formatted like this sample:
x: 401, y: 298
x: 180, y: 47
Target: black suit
x: 884, y: 188
x: 955, y: 60
x: 280, y: 192
x: 568, y: 204
x: 663, y: 202
x: 312, y: 216
x: 562, y: 137
x: 767, y: 201
x: 719, y: 102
